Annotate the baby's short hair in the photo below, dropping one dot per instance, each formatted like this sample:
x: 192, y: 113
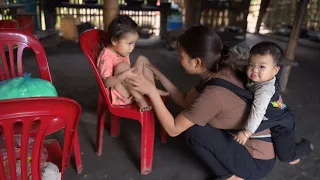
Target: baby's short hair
x: 268, y: 48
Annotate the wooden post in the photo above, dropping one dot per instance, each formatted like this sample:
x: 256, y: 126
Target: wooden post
x: 293, y: 41
x: 193, y: 13
x: 110, y: 11
x: 263, y: 9
x: 164, y: 13
x: 246, y: 9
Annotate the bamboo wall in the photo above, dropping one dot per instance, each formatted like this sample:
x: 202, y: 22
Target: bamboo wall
x: 150, y: 19
x: 280, y: 12
x: 283, y: 13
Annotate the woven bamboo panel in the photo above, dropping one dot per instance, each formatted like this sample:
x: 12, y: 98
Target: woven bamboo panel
x: 283, y: 13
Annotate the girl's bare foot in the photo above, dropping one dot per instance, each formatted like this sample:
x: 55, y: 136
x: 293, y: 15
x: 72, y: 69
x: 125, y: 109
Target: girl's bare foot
x: 143, y: 106
x: 234, y: 177
x: 163, y: 93
x: 298, y: 160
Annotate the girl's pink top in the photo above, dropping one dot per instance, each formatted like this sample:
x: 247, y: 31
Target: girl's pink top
x: 106, y: 63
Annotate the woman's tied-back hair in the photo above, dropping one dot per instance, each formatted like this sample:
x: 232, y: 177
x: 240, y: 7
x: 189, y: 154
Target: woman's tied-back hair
x: 229, y: 56
x: 119, y: 26
x: 203, y: 43
x: 268, y: 48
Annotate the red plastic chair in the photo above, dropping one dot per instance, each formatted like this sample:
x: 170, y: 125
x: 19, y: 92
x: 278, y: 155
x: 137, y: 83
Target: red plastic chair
x: 45, y: 112
x: 12, y: 69
x: 21, y: 39
x: 9, y: 24
x: 92, y: 41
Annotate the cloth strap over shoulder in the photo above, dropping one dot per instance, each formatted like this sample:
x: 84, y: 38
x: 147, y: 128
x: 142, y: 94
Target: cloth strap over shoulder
x: 245, y: 95
x: 276, y: 116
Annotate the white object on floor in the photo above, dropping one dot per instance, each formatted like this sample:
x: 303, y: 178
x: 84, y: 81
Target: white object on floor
x: 50, y: 172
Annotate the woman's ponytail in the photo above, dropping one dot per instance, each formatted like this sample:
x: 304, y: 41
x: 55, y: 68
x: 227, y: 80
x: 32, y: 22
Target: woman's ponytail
x: 229, y: 56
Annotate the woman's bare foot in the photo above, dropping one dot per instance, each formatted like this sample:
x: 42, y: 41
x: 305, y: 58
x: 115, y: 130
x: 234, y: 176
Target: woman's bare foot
x: 143, y: 106
x: 163, y: 93
x: 298, y: 160
x: 234, y: 177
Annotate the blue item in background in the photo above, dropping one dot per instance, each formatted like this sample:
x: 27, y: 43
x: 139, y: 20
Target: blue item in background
x: 30, y: 6
x: 175, y: 18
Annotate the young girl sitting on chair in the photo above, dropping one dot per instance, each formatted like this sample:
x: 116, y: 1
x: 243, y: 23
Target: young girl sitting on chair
x: 114, y: 63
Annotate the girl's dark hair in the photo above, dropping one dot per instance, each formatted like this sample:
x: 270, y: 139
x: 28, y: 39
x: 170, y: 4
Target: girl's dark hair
x: 268, y: 48
x: 203, y: 43
x: 119, y: 26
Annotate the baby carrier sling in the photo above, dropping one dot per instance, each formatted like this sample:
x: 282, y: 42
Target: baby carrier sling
x: 280, y: 121
x: 277, y: 118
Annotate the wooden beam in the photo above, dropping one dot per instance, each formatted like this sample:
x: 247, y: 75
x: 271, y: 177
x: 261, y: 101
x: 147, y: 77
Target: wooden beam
x: 193, y: 13
x: 293, y: 41
x: 110, y: 11
x: 263, y: 9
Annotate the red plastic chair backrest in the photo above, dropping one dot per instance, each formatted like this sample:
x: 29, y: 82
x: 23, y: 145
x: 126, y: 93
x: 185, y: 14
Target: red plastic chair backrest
x: 92, y: 42
x: 11, y: 38
x: 44, y: 111
x: 10, y: 24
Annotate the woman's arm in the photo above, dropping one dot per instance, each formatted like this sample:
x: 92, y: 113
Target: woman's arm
x: 173, y: 126
x: 179, y: 97
x: 202, y: 110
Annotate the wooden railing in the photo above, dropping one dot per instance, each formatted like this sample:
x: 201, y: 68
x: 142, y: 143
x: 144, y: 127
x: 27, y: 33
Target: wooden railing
x: 145, y: 17
x: 279, y: 12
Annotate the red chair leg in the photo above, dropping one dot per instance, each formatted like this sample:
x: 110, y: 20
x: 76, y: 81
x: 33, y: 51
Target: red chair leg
x: 100, y: 125
x: 163, y: 136
x: 147, y: 142
x: 100, y: 105
x: 114, y: 123
x: 77, y: 153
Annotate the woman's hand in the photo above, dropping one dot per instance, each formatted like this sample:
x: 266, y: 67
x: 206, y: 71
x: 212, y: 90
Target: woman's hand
x: 139, y: 83
x: 127, y: 73
x: 122, y: 76
x: 116, y: 79
x: 157, y: 74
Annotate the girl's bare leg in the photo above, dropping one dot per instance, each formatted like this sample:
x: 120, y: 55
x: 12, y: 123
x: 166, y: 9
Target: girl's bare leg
x: 140, y: 65
x: 127, y: 92
x: 118, y: 69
